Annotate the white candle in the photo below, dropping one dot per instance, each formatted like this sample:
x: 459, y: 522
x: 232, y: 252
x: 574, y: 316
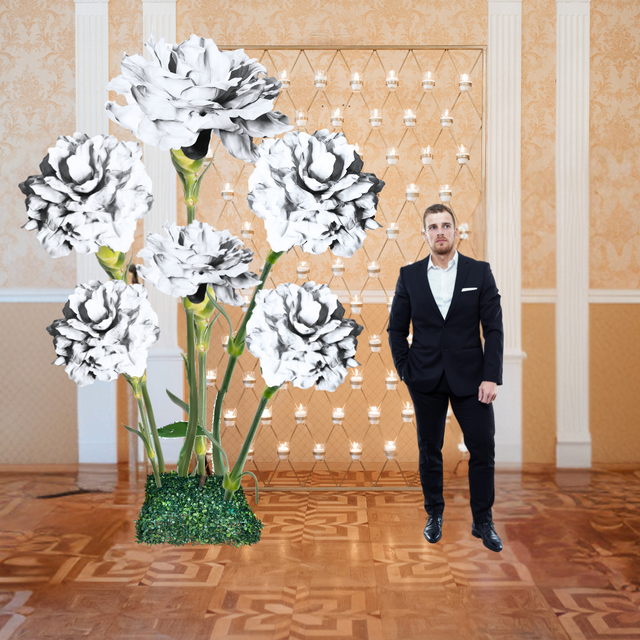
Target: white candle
x: 445, y: 193
x: 338, y: 415
x: 374, y: 415
x: 462, y: 447
x: 285, y: 80
x: 426, y: 155
x: 356, y: 304
x: 249, y: 380
x: 413, y: 191
x: 356, y: 82
x: 337, y: 118
x: 392, y: 156
x: 247, y: 230
x: 246, y: 301
x: 355, y: 451
x: 227, y: 191
x: 464, y: 230
x: 446, y: 119
x: 320, y: 80
x: 318, y: 451
x: 408, y: 413
x: 375, y: 118
x: 391, y: 380
x: 212, y: 375
x: 303, y: 270
x: 230, y: 416
x: 301, y: 414
x: 250, y: 455
x: 375, y: 343
x: 390, y: 449
x: 410, y: 339
x: 337, y: 267
x: 356, y: 380
x: 225, y: 341
x: 392, y: 81
x: 465, y: 83
x: 283, y: 450
x: 373, y: 269
x: 462, y: 155
x: 359, y: 150
x: 301, y: 117
x: 409, y: 118
x: 428, y: 81
x: 266, y: 416
x: 392, y: 231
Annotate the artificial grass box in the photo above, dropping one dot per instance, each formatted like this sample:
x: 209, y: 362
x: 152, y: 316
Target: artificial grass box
x: 182, y: 512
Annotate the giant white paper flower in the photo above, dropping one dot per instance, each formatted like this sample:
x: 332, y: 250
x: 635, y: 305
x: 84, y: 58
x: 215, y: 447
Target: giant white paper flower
x: 300, y: 335
x: 107, y: 330
x: 188, y: 90
x: 311, y: 192
x: 192, y: 257
x: 92, y: 192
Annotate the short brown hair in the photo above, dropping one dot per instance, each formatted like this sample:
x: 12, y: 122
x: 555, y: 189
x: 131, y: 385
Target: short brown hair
x: 438, y: 208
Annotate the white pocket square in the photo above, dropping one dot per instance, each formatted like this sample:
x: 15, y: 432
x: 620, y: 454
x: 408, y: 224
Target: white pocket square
x: 469, y: 289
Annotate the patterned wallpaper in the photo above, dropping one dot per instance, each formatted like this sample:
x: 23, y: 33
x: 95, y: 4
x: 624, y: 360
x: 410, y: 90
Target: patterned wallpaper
x: 37, y: 97
x: 615, y: 144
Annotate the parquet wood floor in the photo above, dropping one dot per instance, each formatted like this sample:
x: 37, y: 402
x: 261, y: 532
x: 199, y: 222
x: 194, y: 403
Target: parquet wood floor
x: 334, y: 565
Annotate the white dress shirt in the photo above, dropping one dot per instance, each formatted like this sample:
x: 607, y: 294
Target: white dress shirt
x: 442, y: 282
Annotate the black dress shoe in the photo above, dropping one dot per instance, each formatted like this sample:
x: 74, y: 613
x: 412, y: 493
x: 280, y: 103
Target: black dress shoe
x: 433, y: 530
x: 490, y: 538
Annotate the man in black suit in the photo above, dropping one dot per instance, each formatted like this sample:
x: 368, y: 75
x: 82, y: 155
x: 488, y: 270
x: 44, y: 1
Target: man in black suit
x: 446, y: 297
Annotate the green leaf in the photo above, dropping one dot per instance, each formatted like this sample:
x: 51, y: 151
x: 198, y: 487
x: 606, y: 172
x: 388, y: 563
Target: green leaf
x: 181, y: 403
x: 178, y: 430
x: 248, y: 473
x: 186, y: 364
x: 146, y: 442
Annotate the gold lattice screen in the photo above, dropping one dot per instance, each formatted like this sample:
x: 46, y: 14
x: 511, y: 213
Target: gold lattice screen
x: 413, y: 118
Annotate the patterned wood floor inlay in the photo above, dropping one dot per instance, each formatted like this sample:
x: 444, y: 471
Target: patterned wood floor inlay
x: 331, y: 565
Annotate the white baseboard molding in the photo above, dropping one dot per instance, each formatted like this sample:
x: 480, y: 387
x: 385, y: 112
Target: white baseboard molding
x: 34, y: 295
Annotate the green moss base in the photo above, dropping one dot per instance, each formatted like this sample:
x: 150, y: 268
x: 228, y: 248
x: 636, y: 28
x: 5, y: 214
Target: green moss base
x: 182, y: 513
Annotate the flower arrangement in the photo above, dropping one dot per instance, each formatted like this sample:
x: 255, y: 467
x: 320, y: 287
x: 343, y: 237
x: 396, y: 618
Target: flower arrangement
x: 310, y: 191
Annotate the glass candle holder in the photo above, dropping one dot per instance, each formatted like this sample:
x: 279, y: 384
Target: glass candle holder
x: 374, y: 415
x: 318, y: 451
x: 390, y: 449
x: 250, y: 455
x: 391, y: 381
x: 356, y: 304
x: 373, y: 269
x: 301, y: 118
x: 228, y: 192
x: 337, y: 118
x: 283, y: 451
x: 359, y: 150
x: 464, y: 230
x: 301, y: 414
x: 247, y: 231
x: 408, y: 413
x: 337, y: 415
x: 302, y: 270
x: 428, y: 81
x: 285, y: 80
x: 320, y: 80
x: 392, y: 80
x: 230, y: 417
x: 393, y: 230
x: 446, y: 119
x: 426, y: 155
x: 413, y: 192
x: 375, y: 343
x: 445, y: 193
x: 465, y: 83
x: 212, y: 376
x: 409, y: 118
x: 225, y: 341
x: 462, y: 155
x: 266, y: 417
x: 356, y: 379
x: 410, y: 339
x: 246, y: 301
x: 375, y: 118
x: 392, y: 156
x: 356, y: 82
x: 249, y: 380
x: 355, y: 450
x: 337, y: 267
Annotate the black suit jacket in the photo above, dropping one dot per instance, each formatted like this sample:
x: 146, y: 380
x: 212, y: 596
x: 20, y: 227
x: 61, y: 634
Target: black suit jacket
x: 451, y: 344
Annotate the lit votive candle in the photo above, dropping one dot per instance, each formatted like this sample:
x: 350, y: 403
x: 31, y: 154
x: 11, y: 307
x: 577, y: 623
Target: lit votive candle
x: 320, y: 80
x: 392, y: 80
x: 250, y: 455
x: 446, y: 119
x: 390, y: 449
x: 445, y: 193
x: 303, y: 270
x: 389, y: 303
x: 428, y: 81
x: 356, y: 379
x: 337, y: 118
x: 409, y: 118
x: 375, y: 118
x: 356, y: 304
x: 462, y: 155
x: 247, y: 230
x: 375, y: 343
x: 301, y: 118
x: 356, y: 82
x: 225, y: 341
x: 464, y: 230
x: 301, y: 414
x: 374, y: 415
x: 227, y: 191
x: 426, y: 155
x: 410, y: 339
x: 355, y: 450
x: 230, y: 416
x: 318, y: 451
x: 391, y: 380
x: 337, y: 415
x: 373, y: 269
x: 462, y: 447
x: 408, y: 413
x: 266, y: 416
x: 359, y: 150
x: 465, y: 82
x: 285, y: 80
x: 246, y: 301
x: 392, y: 156
x: 337, y: 267
x: 413, y: 191
x: 392, y: 231
x: 283, y: 451
x: 212, y: 376
x: 249, y: 380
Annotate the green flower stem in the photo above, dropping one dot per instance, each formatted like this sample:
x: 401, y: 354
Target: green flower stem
x: 191, y: 213
x: 231, y: 482
x: 145, y: 423
x: 217, y: 411
x: 152, y: 423
x: 201, y: 441
x: 187, y: 447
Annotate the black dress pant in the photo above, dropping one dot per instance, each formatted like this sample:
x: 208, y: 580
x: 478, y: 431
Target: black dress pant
x: 478, y: 428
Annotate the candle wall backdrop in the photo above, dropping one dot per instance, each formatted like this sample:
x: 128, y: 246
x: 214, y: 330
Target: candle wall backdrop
x: 416, y: 115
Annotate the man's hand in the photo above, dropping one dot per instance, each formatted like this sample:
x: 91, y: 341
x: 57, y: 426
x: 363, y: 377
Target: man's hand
x: 487, y: 391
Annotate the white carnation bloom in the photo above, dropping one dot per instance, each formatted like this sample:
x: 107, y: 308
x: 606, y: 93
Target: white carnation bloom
x: 107, y: 330
x: 300, y: 335
x: 92, y: 192
x: 194, y: 257
x: 311, y: 192
x: 189, y: 90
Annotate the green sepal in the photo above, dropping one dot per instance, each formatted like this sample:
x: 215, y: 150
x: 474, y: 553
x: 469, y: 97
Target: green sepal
x: 179, y: 430
x: 186, y: 364
x: 138, y: 433
x: 181, y: 403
